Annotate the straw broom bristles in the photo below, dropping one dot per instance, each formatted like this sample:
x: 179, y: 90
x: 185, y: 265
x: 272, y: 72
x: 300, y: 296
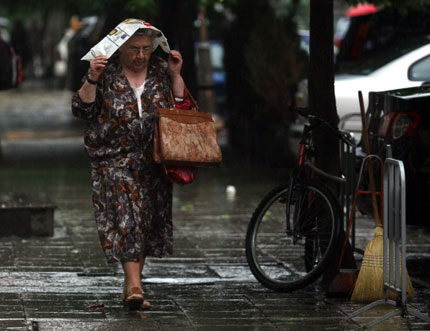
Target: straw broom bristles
x: 370, y: 283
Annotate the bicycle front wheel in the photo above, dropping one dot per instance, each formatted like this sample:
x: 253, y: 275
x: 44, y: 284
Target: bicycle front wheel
x: 287, y: 257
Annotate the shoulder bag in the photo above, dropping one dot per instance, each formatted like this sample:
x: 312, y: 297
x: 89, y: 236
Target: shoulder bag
x: 185, y: 137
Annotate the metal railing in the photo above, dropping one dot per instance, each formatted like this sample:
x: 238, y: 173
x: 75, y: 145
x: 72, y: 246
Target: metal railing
x: 394, y: 246
x: 347, y: 166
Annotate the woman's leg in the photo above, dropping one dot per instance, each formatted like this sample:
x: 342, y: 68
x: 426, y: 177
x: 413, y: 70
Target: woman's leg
x: 132, y: 294
x: 132, y: 278
x: 146, y: 304
x: 142, y: 264
x: 131, y: 274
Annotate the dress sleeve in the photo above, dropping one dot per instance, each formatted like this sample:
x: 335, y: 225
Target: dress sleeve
x: 82, y: 109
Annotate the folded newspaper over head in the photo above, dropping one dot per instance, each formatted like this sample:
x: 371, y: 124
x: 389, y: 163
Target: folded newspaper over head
x: 118, y: 36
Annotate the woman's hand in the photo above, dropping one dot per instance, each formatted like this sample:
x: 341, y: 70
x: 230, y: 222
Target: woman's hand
x: 97, y: 66
x: 175, y: 63
x: 87, y: 92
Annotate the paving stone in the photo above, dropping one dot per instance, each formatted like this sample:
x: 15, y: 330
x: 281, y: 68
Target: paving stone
x: 78, y: 325
x: 214, y: 327
x: 206, y: 285
x: 232, y: 322
x: 13, y: 324
x: 11, y: 314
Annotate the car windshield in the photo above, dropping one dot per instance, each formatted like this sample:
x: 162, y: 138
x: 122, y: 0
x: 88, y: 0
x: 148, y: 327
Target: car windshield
x: 375, y: 60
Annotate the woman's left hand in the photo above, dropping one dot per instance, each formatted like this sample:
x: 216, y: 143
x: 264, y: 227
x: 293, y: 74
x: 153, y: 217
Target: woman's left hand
x: 175, y: 63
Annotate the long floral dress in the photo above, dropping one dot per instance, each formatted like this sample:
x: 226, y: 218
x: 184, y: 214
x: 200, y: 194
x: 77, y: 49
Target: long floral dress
x: 132, y: 200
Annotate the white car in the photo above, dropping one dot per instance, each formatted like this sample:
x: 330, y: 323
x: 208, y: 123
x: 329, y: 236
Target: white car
x: 408, y: 70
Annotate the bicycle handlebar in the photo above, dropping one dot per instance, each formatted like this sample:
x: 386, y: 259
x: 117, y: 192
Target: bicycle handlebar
x: 311, y: 117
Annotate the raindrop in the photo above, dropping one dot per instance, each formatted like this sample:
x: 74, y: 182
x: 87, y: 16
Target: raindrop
x: 230, y: 192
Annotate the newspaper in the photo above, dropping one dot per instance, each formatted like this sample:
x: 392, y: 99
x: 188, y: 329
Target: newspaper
x: 118, y: 36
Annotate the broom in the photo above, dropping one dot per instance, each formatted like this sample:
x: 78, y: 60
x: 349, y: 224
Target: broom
x: 369, y: 284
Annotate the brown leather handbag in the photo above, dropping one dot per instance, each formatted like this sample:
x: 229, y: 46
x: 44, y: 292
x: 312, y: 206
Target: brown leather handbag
x: 185, y: 137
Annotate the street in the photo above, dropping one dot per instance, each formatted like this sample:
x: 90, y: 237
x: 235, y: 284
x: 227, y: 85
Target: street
x: 63, y: 282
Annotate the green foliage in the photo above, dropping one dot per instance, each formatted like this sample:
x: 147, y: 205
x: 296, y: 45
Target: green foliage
x: 143, y: 6
x: 25, y: 8
x: 211, y: 3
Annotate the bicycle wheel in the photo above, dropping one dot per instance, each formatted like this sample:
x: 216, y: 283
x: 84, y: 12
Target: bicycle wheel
x: 289, y: 258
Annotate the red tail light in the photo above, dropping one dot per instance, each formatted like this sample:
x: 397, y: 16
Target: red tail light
x: 400, y: 125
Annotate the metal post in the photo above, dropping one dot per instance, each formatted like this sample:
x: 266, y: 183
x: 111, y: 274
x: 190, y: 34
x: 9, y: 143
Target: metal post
x: 347, y: 164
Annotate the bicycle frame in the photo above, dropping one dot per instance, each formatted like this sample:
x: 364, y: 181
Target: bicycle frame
x: 305, y: 148
x: 297, y: 174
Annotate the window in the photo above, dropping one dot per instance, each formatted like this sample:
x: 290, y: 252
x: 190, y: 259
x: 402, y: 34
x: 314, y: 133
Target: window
x: 420, y: 70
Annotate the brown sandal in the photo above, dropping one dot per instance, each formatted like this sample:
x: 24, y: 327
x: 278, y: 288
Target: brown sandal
x: 134, y: 299
x: 145, y: 305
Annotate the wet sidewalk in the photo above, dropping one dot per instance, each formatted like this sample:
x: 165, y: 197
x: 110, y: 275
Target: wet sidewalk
x: 63, y: 282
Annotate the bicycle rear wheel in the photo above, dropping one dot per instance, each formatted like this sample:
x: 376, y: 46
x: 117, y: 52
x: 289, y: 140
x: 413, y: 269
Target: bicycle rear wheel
x: 289, y: 258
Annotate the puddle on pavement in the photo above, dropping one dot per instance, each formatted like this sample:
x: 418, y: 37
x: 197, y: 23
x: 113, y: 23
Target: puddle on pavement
x: 180, y: 281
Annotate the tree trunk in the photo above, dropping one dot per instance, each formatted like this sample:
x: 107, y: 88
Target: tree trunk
x: 322, y: 103
x: 321, y: 82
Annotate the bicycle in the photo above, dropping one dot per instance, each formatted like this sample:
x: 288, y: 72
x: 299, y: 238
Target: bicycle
x: 295, y: 228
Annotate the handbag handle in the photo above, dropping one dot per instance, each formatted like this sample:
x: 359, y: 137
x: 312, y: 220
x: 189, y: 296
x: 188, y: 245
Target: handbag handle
x: 187, y: 92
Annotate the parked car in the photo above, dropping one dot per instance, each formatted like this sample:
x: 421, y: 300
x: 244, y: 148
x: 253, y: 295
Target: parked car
x: 407, y: 70
x: 381, y: 51
x: 401, y: 118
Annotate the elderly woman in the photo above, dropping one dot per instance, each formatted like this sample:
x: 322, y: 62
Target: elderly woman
x: 132, y: 199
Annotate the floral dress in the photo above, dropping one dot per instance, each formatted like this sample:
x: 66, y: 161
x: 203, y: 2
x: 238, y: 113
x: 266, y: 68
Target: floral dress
x: 132, y: 200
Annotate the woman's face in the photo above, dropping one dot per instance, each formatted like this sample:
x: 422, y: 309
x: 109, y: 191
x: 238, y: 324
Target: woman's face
x: 135, y: 53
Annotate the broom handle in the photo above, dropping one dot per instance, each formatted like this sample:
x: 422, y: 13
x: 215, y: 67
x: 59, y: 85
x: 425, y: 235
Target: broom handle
x: 369, y: 166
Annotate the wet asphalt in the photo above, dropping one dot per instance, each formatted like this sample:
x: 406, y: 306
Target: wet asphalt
x: 63, y: 282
